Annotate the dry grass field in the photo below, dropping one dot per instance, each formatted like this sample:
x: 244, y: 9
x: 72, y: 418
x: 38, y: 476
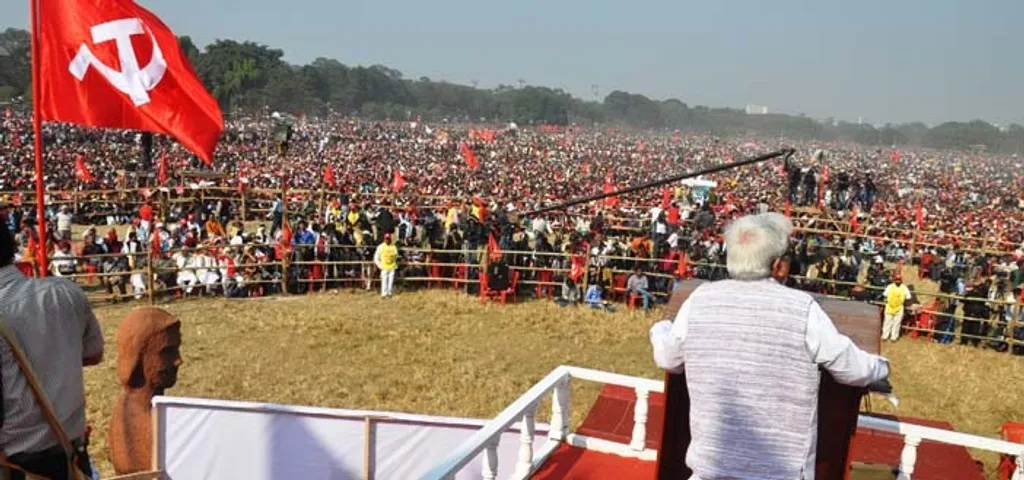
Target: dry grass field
x: 443, y: 353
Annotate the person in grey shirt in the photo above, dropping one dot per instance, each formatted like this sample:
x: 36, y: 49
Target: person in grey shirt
x: 749, y: 345
x: 59, y: 334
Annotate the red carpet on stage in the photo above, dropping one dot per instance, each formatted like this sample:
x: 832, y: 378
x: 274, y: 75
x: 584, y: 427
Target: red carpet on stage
x: 611, y: 418
x: 575, y: 463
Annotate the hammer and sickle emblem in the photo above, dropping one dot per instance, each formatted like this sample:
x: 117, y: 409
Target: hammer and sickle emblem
x: 130, y: 80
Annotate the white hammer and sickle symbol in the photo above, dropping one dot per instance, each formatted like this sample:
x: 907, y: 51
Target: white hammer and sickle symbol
x: 131, y: 80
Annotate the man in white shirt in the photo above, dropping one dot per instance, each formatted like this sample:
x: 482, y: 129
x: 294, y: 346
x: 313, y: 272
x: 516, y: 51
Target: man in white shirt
x: 64, y: 221
x: 750, y: 345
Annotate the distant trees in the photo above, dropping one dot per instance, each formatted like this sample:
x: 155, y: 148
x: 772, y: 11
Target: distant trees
x: 248, y: 76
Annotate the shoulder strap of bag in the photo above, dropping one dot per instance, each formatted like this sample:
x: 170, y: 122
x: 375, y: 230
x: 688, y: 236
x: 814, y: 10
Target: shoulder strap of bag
x: 44, y: 402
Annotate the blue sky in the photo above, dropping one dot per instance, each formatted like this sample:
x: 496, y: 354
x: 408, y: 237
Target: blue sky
x: 895, y: 61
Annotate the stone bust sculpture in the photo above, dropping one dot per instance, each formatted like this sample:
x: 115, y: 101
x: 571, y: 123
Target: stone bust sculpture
x: 147, y: 363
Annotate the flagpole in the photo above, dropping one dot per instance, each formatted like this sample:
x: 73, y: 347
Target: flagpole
x: 38, y: 138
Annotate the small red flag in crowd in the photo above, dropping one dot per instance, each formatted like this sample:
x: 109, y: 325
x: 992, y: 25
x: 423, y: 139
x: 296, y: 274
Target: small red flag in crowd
x: 854, y: 220
x: 789, y: 209
x: 895, y: 156
x: 610, y: 202
x: 919, y: 216
x: 82, y: 170
x: 494, y: 252
x: 467, y: 153
x: 398, y: 182
x: 114, y: 64
x: 666, y: 197
x: 162, y: 172
x: 242, y: 180
x: 329, y: 177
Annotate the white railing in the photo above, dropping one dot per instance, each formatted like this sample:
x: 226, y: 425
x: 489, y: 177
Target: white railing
x: 557, y: 383
x: 914, y: 434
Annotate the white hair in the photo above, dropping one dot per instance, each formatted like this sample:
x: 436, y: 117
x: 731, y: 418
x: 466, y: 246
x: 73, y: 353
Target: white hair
x: 753, y: 242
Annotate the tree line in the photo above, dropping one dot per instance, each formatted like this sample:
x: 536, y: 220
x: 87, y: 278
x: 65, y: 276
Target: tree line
x: 246, y: 77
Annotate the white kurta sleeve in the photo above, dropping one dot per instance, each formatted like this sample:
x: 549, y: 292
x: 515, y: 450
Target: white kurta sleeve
x: 847, y: 363
x: 667, y: 340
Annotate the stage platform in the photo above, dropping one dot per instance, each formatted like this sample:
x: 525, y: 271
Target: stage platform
x: 874, y: 453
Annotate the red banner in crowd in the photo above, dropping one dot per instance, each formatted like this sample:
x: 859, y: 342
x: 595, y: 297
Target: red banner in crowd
x: 329, y: 177
x: 82, y: 170
x: 162, y: 172
x: 398, y: 182
x: 469, y: 156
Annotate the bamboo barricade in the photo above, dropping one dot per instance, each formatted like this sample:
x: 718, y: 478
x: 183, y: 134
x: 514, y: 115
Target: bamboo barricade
x: 168, y: 196
x: 559, y: 268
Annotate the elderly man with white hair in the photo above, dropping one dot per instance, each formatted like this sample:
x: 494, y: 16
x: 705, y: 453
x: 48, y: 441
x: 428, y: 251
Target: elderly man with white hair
x: 751, y: 348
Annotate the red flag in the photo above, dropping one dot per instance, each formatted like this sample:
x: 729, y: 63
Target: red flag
x: 242, y: 180
x: 493, y: 249
x: 329, y: 177
x: 789, y: 209
x: 154, y: 242
x: 162, y: 172
x: 398, y: 182
x: 467, y: 153
x: 854, y: 221
x: 113, y: 64
x: 610, y: 202
x: 919, y: 216
x: 82, y: 170
x: 895, y: 156
x: 824, y: 174
x: 666, y: 198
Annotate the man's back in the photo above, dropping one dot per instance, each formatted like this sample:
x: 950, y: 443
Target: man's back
x: 752, y: 381
x: 57, y: 329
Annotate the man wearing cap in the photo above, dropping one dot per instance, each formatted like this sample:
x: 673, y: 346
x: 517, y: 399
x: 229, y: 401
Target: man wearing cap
x: 896, y: 295
x: 386, y: 259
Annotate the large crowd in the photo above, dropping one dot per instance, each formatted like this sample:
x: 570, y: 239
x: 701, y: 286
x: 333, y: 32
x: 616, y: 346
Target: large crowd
x: 346, y: 183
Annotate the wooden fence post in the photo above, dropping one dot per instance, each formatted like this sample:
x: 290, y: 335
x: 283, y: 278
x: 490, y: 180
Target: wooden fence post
x: 245, y: 217
x: 150, y: 274
x: 1010, y: 327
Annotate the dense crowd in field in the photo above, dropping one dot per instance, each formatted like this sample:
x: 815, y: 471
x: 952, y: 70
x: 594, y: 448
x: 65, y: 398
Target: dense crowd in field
x: 347, y: 183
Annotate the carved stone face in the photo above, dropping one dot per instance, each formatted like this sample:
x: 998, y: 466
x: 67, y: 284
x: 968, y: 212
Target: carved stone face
x: 148, y: 343
x: 161, y: 358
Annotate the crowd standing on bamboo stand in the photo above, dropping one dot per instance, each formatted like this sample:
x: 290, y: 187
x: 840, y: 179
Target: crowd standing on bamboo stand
x: 260, y: 222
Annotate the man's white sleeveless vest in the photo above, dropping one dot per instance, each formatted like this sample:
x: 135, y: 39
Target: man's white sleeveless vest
x: 753, y: 384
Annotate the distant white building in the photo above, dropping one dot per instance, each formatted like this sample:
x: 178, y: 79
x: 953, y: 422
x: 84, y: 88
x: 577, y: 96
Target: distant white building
x: 757, y: 110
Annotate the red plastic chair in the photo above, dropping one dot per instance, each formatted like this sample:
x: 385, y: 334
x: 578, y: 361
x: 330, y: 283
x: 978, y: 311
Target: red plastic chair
x: 1011, y: 432
x: 502, y: 295
x: 619, y: 286
x: 633, y: 299
x: 924, y: 324
x: 435, y: 273
x: 461, y: 277
x: 544, y: 276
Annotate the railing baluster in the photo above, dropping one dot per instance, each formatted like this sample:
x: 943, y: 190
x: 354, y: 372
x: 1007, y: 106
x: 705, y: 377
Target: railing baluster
x: 525, y: 463
x: 909, y: 457
x: 490, y: 470
x: 560, y: 411
x: 639, y: 440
